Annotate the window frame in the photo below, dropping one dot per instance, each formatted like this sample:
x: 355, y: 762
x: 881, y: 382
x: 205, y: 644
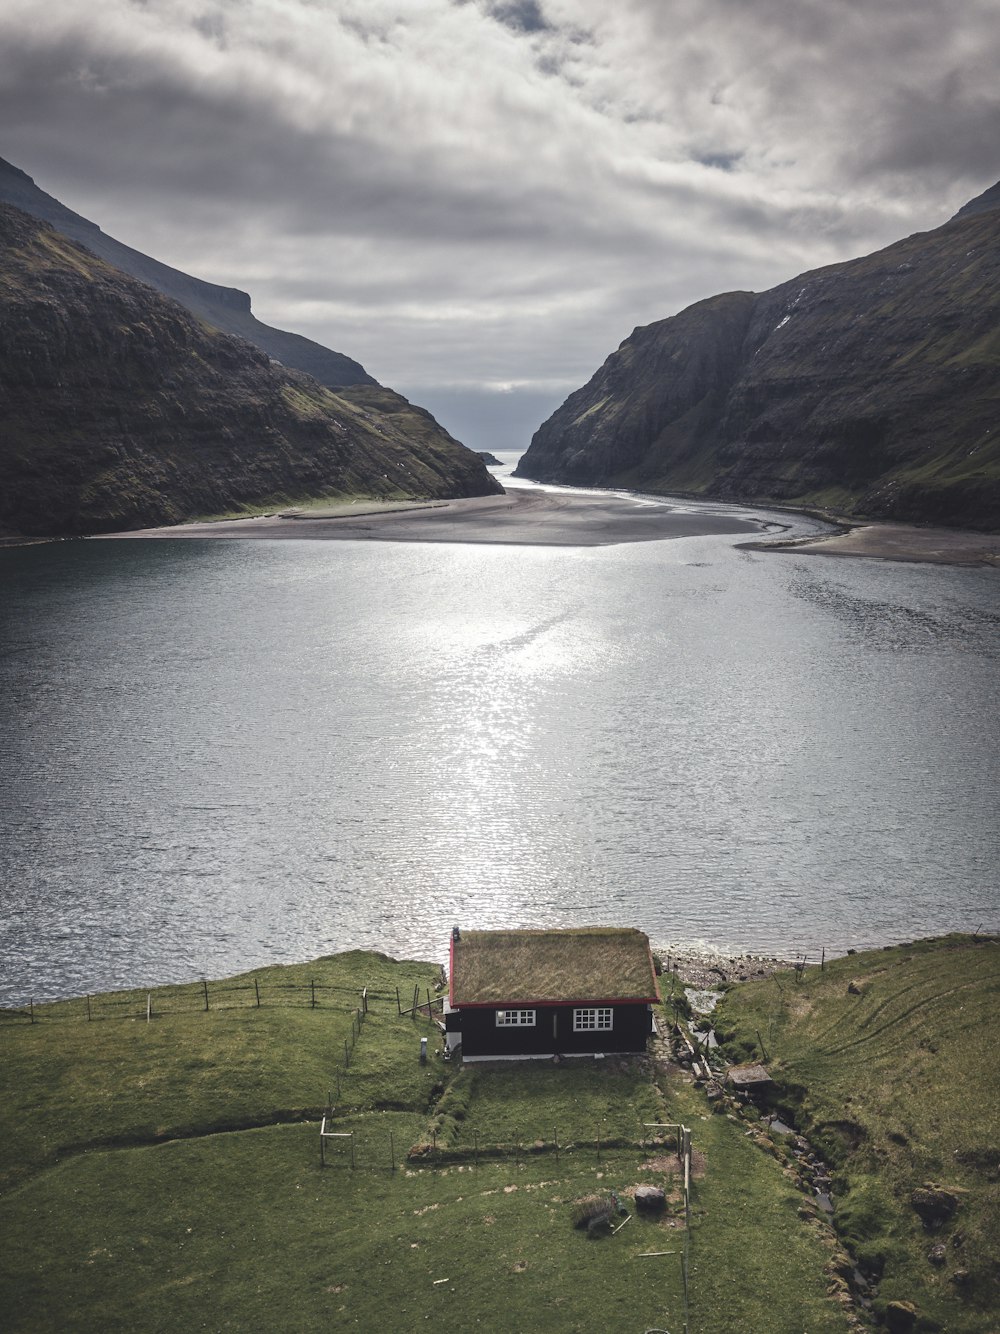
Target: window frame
x: 594, y: 1019
x: 516, y: 1018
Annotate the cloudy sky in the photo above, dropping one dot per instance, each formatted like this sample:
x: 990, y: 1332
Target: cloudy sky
x: 479, y: 199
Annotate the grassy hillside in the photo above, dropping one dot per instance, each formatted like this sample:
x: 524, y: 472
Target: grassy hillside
x: 119, y: 409
x: 870, y: 386
x: 886, y: 1060
x: 135, y: 1201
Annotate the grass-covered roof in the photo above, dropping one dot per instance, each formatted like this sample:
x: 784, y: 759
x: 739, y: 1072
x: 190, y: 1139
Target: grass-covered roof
x: 585, y: 963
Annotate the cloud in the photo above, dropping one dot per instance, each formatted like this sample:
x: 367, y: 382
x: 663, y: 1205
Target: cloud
x: 481, y: 192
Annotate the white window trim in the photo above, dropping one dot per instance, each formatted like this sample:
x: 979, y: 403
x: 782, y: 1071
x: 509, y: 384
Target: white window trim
x: 515, y: 1018
x: 594, y: 1019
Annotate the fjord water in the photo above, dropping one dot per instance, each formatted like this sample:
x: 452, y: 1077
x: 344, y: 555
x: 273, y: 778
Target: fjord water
x: 217, y: 754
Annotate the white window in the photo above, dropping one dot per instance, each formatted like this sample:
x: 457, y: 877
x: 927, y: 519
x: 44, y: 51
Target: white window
x: 590, y: 1021
x: 515, y: 1018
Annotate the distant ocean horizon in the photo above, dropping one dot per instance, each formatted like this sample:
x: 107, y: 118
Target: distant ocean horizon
x: 218, y: 755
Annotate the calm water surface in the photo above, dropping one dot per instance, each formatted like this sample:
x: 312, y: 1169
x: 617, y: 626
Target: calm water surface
x: 219, y: 754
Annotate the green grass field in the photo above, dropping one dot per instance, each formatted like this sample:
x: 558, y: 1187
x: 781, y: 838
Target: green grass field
x: 887, y: 1061
x: 158, y: 1176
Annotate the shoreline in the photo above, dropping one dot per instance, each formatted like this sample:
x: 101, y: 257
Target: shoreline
x: 519, y: 517
x: 901, y: 542
x: 524, y: 516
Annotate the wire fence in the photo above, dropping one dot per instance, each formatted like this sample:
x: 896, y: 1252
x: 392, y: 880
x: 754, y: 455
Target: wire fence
x: 199, y: 997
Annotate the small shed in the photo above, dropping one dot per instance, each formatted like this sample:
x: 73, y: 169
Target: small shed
x: 523, y: 995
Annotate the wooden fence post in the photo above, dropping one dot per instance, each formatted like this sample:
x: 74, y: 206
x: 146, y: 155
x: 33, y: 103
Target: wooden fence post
x: 31, y: 1009
x: 256, y: 992
x: 347, y: 1055
x: 399, y: 1008
x: 204, y: 983
x: 88, y: 1007
x: 312, y: 991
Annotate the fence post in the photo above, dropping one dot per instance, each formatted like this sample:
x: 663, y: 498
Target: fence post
x: 416, y: 1000
x: 475, y: 1140
x: 256, y: 992
x: 555, y: 1141
x: 31, y: 1009
x: 347, y: 1055
x: 822, y: 959
x: 312, y: 991
x: 392, y: 1152
x: 364, y: 1000
x: 353, y: 1164
x: 598, y: 1143
x: 399, y: 1008
x: 149, y: 1006
x: 204, y: 983
x: 88, y: 1007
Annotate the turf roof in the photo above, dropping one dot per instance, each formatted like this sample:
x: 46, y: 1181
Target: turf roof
x: 585, y: 963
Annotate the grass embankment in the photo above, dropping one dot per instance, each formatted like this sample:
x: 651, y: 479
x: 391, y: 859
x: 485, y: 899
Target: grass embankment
x: 887, y: 1061
x: 132, y: 1210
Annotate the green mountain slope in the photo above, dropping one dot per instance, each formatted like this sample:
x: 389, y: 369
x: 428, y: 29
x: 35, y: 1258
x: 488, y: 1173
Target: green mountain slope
x: 872, y: 387
x: 119, y: 409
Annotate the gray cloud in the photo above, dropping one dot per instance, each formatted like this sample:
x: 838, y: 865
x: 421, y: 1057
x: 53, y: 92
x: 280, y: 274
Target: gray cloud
x: 494, y: 192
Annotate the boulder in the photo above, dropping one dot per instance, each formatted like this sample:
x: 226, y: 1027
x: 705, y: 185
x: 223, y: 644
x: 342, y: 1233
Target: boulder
x: 900, y: 1317
x: 934, y: 1205
x: 650, y: 1199
x: 938, y: 1253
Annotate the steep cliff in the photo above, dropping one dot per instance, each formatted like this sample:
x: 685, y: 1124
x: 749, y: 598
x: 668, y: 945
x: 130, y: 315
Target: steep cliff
x: 227, y: 308
x: 119, y: 409
x: 872, y: 387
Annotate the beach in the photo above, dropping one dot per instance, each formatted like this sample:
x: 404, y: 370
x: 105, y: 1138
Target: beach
x: 522, y: 516
x: 898, y: 542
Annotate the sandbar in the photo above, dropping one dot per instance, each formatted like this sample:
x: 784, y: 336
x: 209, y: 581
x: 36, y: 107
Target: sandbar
x: 521, y: 516
x: 897, y: 542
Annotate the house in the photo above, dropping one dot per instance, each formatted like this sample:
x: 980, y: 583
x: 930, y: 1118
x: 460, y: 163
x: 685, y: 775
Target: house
x: 522, y: 995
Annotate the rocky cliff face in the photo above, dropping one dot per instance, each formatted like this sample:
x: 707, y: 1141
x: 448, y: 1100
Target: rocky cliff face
x: 119, y: 409
x: 872, y: 387
x: 227, y: 308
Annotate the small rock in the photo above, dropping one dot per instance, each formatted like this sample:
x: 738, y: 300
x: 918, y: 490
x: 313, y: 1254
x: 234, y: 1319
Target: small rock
x: 937, y: 1253
x: 900, y: 1316
x: 958, y: 1240
x: 650, y: 1199
x: 961, y: 1277
x: 853, y: 989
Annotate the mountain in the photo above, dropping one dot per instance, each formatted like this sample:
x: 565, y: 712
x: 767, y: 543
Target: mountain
x: 871, y: 387
x: 120, y: 409
x: 227, y: 308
